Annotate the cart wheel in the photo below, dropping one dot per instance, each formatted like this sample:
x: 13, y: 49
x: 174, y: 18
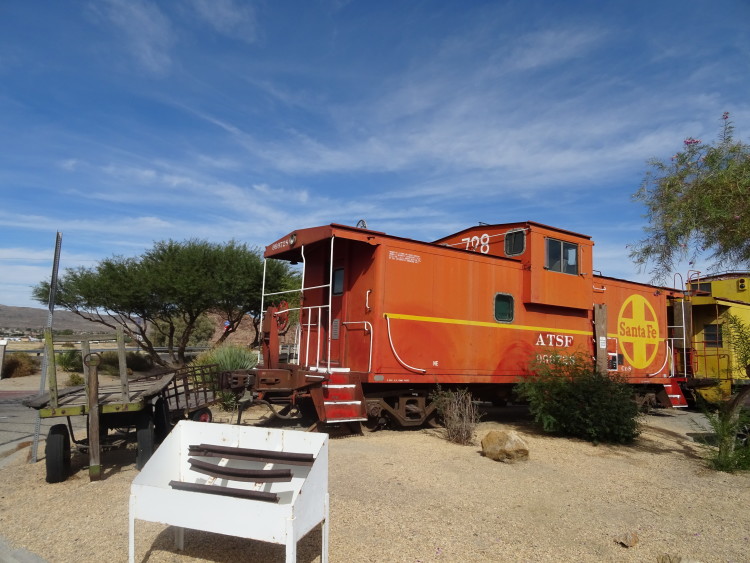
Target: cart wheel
x: 202, y: 415
x: 57, y: 454
x: 145, y: 437
x: 162, y: 423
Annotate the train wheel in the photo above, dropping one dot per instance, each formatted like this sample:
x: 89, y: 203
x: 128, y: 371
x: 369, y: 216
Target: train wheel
x: 202, y: 415
x: 145, y: 439
x: 375, y: 423
x: 57, y: 454
x: 433, y: 421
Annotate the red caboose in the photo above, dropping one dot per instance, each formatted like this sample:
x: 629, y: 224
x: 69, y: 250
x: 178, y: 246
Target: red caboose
x: 383, y: 319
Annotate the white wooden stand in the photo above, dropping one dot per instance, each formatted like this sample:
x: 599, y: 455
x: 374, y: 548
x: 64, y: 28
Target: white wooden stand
x: 302, y: 501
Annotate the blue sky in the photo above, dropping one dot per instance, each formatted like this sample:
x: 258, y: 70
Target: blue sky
x: 126, y: 122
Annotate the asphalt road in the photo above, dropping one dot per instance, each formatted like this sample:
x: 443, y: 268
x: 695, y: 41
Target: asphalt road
x: 18, y: 423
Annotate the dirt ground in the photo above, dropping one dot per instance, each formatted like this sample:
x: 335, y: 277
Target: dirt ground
x: 411, y: 496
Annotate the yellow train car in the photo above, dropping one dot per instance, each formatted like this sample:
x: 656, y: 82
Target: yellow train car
x: 712, y: 299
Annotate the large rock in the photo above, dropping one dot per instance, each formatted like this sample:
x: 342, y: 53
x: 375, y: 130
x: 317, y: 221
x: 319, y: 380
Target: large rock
x: 507, y: 447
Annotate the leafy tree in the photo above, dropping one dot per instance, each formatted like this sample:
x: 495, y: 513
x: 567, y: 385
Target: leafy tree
x: 201, y: 335
x: 170, y: 286
x: 697, y: 204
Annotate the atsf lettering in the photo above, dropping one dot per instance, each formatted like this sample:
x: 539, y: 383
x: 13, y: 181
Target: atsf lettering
x: 554, y: 340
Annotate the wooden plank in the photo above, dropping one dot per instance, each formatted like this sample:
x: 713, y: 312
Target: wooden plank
x: 122, y: 363
x: 49, y: 348
x: 600, y: 338
x: 95, y: 467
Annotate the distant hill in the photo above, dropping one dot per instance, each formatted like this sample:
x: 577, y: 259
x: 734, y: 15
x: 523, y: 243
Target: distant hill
x: 24, y: 318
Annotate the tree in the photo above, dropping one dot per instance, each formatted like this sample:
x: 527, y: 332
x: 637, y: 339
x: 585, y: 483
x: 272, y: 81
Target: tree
x: 698, y: 203
x: 169, y: 288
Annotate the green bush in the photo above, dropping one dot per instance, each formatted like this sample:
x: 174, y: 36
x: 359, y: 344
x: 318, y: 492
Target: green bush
x: 18, y: 364
x: 458, y: 413
x: 74, y: 379
x: 110, y: 363
x: 229, y: 357
x: 227, y: 400
x: 568, y: 396
x: 729, y: 450
x: 138, y: 362
x: 70, y: 361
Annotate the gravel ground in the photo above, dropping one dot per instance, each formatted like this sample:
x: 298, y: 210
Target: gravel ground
x: 411, y: 496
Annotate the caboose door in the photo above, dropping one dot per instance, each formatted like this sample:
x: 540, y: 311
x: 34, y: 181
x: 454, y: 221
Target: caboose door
x: 338, y: 306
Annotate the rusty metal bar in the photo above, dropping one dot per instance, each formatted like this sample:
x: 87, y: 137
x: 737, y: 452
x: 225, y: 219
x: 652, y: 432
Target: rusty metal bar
x: 291, y: 458
x: 240, y: 474
x: 224, y: 491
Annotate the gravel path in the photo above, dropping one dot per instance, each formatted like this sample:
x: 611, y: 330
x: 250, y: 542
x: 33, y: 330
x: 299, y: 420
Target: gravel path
x: 411, y: 496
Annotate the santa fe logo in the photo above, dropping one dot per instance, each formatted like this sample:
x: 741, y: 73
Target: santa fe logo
x: 638, y: 331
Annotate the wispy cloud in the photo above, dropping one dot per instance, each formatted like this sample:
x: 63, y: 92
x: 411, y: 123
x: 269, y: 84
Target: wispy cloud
x: 552, y: 47
x: 147, y: 31
x: 229, y: 18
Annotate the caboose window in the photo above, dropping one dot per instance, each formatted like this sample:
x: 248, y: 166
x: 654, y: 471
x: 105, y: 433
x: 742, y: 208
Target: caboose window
x: 503, y: 307
x: 562, y: 256
x: 712, y: 336
x: 515, y: 242
x: 338, y: 281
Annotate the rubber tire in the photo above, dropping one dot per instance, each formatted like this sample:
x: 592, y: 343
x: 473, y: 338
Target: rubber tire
x: 162, y: 422
x: 202, y: 415
x: 145, y: 438
x: 57, y: 454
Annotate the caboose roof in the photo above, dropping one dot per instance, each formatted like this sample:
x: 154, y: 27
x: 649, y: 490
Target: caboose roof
x: 288, y: 246
x: 511, y: 226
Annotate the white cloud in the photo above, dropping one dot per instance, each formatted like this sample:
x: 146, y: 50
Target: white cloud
x: 229, y: 18
x: 147, y: 31
x: 70, y: 164
x: 552, y: 46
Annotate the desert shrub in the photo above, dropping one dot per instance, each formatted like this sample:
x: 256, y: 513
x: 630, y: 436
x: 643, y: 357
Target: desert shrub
x: 74, y: 379
x: 138, y: 362
x: 18, y: 365
x: 729, y: 448
x: 227, y: 400
x: 458, y: 413
x: 568, y: 396
x: 70, y: 361
x: 110, y: 363
x: 229, y: 357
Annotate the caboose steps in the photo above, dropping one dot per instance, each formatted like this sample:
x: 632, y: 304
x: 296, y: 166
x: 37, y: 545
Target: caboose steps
x: 674, y: 395
x: 339, y: 402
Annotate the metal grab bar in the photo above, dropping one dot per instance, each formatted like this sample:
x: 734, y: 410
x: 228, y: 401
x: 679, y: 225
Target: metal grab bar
x: 393, y: 349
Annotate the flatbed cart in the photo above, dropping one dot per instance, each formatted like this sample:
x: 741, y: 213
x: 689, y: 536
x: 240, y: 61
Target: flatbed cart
x: 148, y: 404
x: 187, y: 395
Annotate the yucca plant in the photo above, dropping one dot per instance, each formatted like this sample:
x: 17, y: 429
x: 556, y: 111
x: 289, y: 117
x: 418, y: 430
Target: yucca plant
x: 228, y: 357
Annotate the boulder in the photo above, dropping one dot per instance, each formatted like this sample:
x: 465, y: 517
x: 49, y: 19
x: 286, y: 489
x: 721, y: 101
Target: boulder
x: 507, y: 447
x: 628, y: 539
